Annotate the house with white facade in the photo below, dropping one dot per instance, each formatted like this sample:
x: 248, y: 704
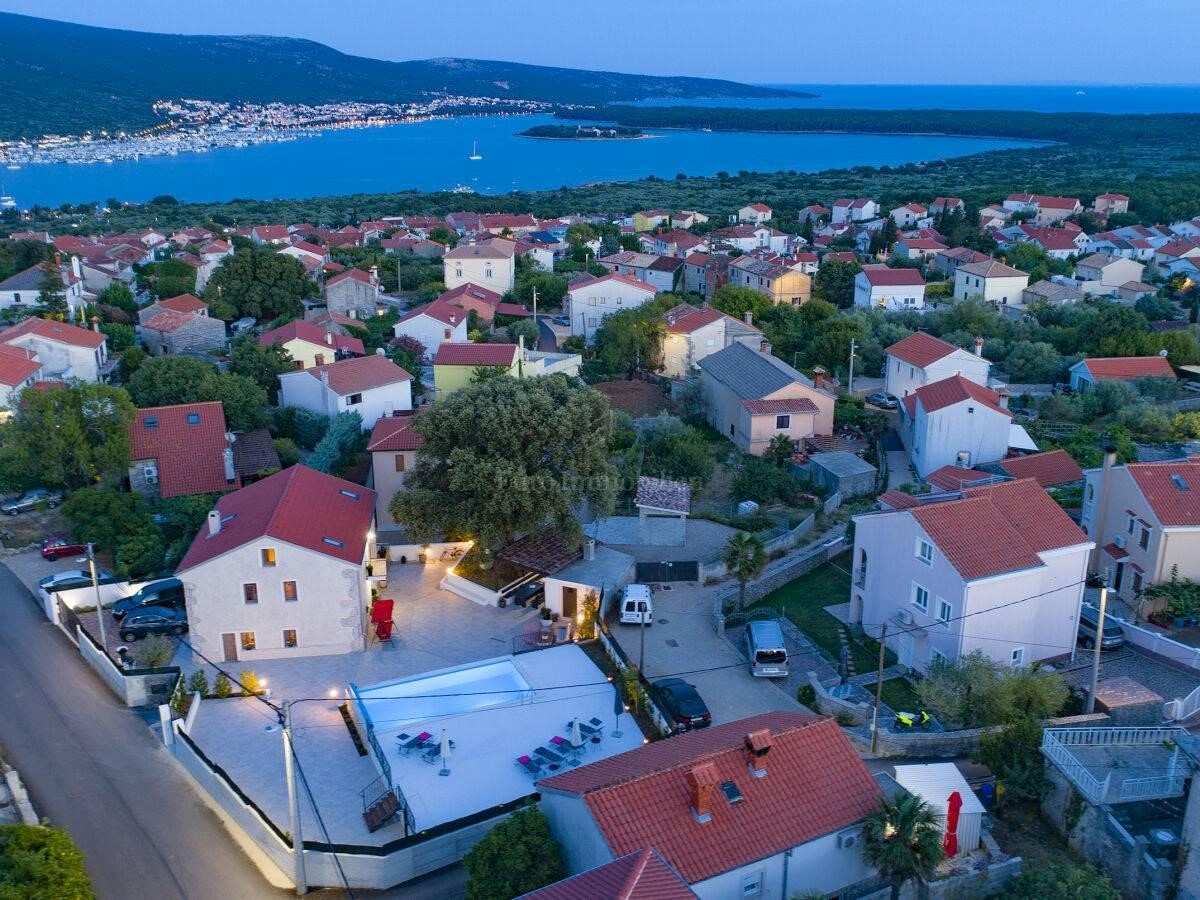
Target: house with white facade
x: 487, y: 263
x: 948, y: 261
x: 752, y: 237
x: 770, y: 807
x: 19, y: 369
x: 279, y: 570
x: 693, y: 334
x: 1099, y: 273
x: 991, y: 281
x: 588, y: 302
x: 65, y: 351
x: 372, y: 386
x: 954, y: 422
x: 846, y: 210
x: 910, y: 215
x: 1046, y: 210
x: 878, y: 287
x: 922, y: 359
x: 999, y: 568
x: 393, y: 447
x: 755, y: 213
x: 1110, y: 204
x: 434, y: 324
x: 917, y: 248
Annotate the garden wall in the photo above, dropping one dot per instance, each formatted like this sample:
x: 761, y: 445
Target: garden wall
x: 777, y: 573
x: 135, y: 687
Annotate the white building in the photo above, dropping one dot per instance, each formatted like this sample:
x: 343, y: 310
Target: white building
x: 1099, y: 273
x: 952, y: 576
x: 860, y: 210
x: 890, y: 289
x: 18, y: 370
x: 588, y: 302
x: 990, y: 281
x: 65, y: 351
x: 922, y: 359
x: 278, y: 570
x: 693, y: 334
x: 372, y: 386
x: 434, y: 324
x: 489, y: 264
x: 755, y: 213
x: 954, y: 422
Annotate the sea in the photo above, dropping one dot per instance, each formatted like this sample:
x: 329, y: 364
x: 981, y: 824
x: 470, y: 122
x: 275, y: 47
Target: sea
x: 433, y: 155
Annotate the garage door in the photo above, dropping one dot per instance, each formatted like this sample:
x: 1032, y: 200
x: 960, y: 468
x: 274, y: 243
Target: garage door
x: 668, y: 571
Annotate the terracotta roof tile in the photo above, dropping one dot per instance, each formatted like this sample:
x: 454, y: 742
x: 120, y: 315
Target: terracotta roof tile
x: 188, y: 442
x: 953, y: 478
x: 956, y: 389
x: 311, y: 333
x: 544, y: 552
x: 62, y: 332
x: 613, y: 276
x: 16, y: 365
x: 188, y: 303
x: 685, y: 318
x: 1120, y: 368
x: 921, y: 349
x: 475, y: 355
x: 359, y: 373
x: 168, y: 320
x: 1048, y: 469
x: 640, y: 875
x: 898, y: 500
x: 779, y: 407
x: 394, y: 433
x: 883, y: 276
x: 1172, y: 489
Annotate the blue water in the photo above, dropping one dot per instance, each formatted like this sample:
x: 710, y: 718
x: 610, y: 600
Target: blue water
x: 1035, y: 98
x: 432, y: 156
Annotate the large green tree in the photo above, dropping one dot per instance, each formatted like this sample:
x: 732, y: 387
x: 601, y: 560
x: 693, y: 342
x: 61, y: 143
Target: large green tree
x: 259, y: 282
x: 168, y: 278
x: 507, y: 457
x: 630, y: 340
x: 517, y: 856
x: 67, y: 437
x: 38, y: 862
x: 262, y: 364
x: 903, y: 840
x: 736, y: 301
x: 167, y: 380
x: 835, y: 282
x: 117, y: 522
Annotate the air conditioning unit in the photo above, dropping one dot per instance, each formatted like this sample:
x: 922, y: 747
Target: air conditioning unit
x: 1119, y: 540
x: 151, y: 474
x: 904, y: 617
x: 847, y: 840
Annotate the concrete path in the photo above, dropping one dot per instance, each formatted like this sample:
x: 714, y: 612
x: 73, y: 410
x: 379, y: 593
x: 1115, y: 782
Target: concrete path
x: 898, y: 468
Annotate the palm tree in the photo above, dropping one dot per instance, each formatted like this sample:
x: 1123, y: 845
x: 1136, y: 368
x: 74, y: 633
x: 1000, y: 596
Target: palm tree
x: 745, y: 558
x: 903, y: 840
x: 781, y: 449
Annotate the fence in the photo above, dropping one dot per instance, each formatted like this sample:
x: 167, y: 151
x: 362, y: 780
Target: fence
x: 1057, y: 741
x: 622, y: 662
x: 1159, y: 643
x: 832, y: 502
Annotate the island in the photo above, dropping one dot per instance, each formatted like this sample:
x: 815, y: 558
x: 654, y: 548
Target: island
x: 584, y: 132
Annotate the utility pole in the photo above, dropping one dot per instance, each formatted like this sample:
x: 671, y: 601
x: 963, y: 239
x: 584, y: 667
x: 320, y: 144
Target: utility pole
x: 96, y: 587
x: 850, y: 378
x: 289, y: 769
x: 535, y: 308
x: 878, y: 691
x: 1091, y: 701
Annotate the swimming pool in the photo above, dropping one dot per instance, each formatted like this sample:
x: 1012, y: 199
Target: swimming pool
x: 396, y: 704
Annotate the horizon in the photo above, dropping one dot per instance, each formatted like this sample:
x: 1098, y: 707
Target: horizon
x: 755, y: 57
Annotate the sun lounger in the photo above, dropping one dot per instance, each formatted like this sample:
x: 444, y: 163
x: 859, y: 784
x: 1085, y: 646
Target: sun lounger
x: 533, y: 767
x: 553, y: 760
x: 589, y: 732
x: 415, y: 743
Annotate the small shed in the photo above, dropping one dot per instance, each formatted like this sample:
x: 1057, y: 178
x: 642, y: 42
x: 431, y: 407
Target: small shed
x: 842, y: 472
x: 663, y: 508
x: 934, y: 783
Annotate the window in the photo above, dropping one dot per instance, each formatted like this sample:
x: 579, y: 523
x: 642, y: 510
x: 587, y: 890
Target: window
x: 333, y: 542
x: 970, y: 409
x: 1137, y: 582
x: 752, y: 885
x: 1131, y: 521
x: 591, y: 321
x: 193, y: 418
x: 1144, y: 538
x: 289, y: 638
x: 920, y: 597
x: 248, y: 641
x: 1018, y: 657
x: 731, y: 429
x: 399, y: 458
x: 782, y: 423
x: 945, y: 613
x: 936, y: 656
x: 268, y: 556
x: 925, y: 551
x: 150, y: 422
x: 289, y: 592
x: 354, y: 400
x: 250, y: 594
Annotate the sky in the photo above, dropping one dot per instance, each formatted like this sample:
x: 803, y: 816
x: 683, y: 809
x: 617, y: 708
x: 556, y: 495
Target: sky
x: 769, y: 41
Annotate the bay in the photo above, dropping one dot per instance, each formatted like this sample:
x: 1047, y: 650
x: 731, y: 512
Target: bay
x: 432, y: 156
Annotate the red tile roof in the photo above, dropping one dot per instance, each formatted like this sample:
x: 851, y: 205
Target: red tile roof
x: 394, y: 433
x: 613, y: 276
x: 1122, y: 368
x: 898, y: 500
x: 187, y: 303
x: 16, y: 365
x: 475, y: 355
x: 685, y: 318
x: 777, y: 407
x: 956, y: 389
x: 640, y: 875
x: 312, y: 334
x: 1160, y: 485
x: 62, y: 332
x: 815, y: 785
x: 354, y: 274
x: 996, y: 529
x: 282, y: 506
x: 923, y: 244
x: 442, y: 311
x: 883, y: 276
x: 760, y: 207
x: 1048, y: 469
x: 168, y: 320
x: 359, y: 373
x: 953, y: 478
x: 190, y: 454
x: 921, y: 349
x: 472, y: 290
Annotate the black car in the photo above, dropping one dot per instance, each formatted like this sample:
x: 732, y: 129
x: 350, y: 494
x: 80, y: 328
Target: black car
x: 682, y: 704
x: 153, y: 620
x: 168, y: 592
x: 532, y: 593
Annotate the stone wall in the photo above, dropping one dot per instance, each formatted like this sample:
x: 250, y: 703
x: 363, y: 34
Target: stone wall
x: 958, y: 743
x: 983, y: 883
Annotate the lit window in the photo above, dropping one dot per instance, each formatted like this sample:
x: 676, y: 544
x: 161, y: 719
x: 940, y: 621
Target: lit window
x: 289, y: 638
x: 945, y: 613
x: 1018, y: 657
x: 925, y: 551
x: 268, y: 556
x: 920, y: 597
x: 289, y: 591
x: 250, y: 593
x: 248, y: 641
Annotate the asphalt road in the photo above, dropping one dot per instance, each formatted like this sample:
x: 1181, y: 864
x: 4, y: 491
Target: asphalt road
x: 547, y: 341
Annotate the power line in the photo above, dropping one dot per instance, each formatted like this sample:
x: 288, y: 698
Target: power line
x: 320, y: 821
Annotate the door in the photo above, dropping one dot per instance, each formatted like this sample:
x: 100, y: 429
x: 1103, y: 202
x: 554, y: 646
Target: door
x: 229, y: 645
x: 570, y: 602
x: 904, y: 650
x: 1118, y: 578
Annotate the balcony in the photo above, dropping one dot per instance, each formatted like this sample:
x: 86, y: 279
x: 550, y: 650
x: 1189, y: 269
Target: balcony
x: 1118, y: 765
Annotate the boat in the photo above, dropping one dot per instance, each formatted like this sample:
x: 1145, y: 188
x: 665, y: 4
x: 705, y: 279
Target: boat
x: 8, y: 203
x: 474, y: 152
x: 461, y: 189
x: 13, y: 167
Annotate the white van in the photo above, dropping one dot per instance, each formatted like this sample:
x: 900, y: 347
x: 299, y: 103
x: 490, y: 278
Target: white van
x: 766, y: 649
x: 636, y: 606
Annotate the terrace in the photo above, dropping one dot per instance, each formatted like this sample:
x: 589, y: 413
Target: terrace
x: 1119, y: 765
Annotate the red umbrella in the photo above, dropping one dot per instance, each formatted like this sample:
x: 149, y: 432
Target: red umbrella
x: 950, y: 842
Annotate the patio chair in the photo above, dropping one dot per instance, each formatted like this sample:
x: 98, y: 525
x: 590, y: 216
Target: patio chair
x: 590, y: 734
x: 535, y: 768
x: 416, y: 743
x: 567, y: 749
x: 596, y: 723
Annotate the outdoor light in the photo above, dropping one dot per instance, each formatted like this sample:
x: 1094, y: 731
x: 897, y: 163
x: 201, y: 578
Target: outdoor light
x: 370, y: 535
x: 333, y: 692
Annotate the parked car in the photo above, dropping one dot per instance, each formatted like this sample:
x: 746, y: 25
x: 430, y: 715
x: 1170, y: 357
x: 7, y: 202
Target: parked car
x: 682, y: 703
x: 59, y: 546
x: 69, y: 580
x: 1114, y: 634
x: 1029, y: 415
x: 32, y: 499
x: 168, y: 593
x: 637, y: 608
x: 561, y: 320
x: 242, y: 325
x: 153, y: 620
x: 883, y: 400
x: 532, y: 594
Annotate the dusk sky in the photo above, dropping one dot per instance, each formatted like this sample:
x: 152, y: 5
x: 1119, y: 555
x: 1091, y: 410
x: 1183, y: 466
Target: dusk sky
x: 780, y: 41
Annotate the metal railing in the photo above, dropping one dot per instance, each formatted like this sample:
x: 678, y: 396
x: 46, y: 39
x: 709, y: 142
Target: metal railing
x: 1182, y: 708
x: 1056, y: 744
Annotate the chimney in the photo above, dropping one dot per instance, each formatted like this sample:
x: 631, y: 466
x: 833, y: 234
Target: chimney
x: 76, y: 270
x: 96, y: 324
x: 758, y: 745
x: 748, y: 317
x: 1003, y: 395
x: 589, y: 549
x: 979, y: 346
x: 329, y: 338
x: 818, y: 377
x: 214, y: 522
x: 764, y: 346
x: 227, y: 456
x: 701, y: 780
x: 453, y: 318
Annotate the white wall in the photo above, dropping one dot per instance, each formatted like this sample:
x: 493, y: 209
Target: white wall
x: 1006, y: 290
x: 496, y: 274
x: 938, y: 437
x: 902, y: 378
x: 432, y: 332
x: 302, y: 390
x: 891, y: 297
x: 571, y: 823
x: 817, y: 867
x: 75, y: 362
x: 588, y: 305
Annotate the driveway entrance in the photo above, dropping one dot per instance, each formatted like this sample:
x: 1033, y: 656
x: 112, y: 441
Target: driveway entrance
x: 651, y: 572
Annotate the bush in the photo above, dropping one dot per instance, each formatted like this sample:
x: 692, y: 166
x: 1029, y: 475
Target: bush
x: 304, y: 427
x: 517, y: 856
x: 154, y: 652
x: 343, y: 434
x: 757, y: 479
x: 222, y: 686
x: 250, y: 683
x: 198, y: 683
x: 806, y: 695
x: 1060, y: 878
x: 287, y: 451
x: 38, y: 862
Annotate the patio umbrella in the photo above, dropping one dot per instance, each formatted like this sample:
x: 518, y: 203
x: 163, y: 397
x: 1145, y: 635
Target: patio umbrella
x: 576, y: 733
x: 445, y: 752
x: 618, y: 708
x: 950, y: 842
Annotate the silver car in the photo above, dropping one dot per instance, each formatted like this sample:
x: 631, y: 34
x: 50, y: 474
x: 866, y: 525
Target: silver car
x: 31, y: 500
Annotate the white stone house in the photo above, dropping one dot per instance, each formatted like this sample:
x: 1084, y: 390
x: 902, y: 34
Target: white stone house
x: 489, y: 263
x: 434, y: 324
x: 922, y: 359
x: 755, y: 213
x: 1099, y: 273
x: 991, y: 281
x: 954, y: 422
x: 393, y: 447
x: 65, y: 351
x: 693, y: 334
x: 353, y: 293
x: 879, y: 287
x: 372, y: 386
x: 588, y: 302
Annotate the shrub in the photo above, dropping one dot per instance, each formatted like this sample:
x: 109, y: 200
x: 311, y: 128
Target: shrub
x: 250, y: 683
x: 517, y: 856
x: 342, y: 435
x: 222, y: 686
x: 155, y: 651
x: 198, y: 683
x: 806, y: 695
x: 40, y: 862
x: 287, y: 451
x: 1060, y: 878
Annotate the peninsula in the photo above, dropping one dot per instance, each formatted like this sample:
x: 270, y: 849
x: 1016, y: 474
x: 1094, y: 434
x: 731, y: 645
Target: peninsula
x: 584, y: 133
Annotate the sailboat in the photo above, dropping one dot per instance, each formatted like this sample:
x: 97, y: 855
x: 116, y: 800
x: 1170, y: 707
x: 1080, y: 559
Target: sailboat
x: 474, y: 151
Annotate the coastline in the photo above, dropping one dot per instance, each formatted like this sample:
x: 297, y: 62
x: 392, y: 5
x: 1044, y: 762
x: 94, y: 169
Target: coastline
x: 603, y: 140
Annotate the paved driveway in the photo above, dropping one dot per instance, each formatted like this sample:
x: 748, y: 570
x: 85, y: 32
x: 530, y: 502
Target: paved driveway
x: 684, y: 642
